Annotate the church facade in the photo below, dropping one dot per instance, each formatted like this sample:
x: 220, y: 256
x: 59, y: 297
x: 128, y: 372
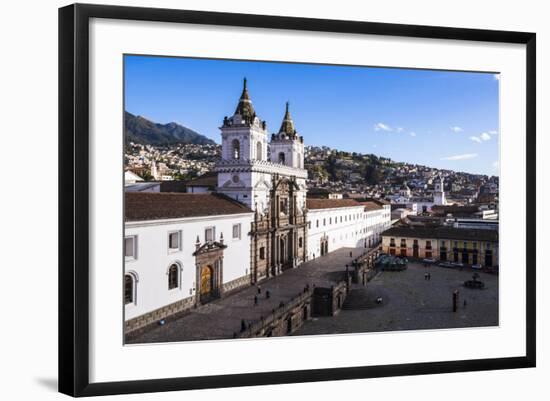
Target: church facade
x: 272, y: 185
x: 183, y: 250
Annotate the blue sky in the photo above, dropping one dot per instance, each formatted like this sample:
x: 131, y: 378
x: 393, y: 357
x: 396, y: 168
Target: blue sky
x: 437, y: 118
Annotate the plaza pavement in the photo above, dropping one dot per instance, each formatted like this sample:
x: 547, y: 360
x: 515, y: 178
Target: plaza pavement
x: 409, y: 302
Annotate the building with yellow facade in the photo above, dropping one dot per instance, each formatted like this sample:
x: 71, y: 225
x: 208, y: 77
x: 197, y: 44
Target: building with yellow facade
x: 441, y: 243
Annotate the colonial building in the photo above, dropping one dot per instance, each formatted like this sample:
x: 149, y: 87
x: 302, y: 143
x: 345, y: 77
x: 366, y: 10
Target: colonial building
x: 337, y: 223
x: 467, y: 246
x: 181, y: 250
x: 185, y: 249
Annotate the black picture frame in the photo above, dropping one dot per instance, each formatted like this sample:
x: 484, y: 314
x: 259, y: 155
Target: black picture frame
x: 74, y: 198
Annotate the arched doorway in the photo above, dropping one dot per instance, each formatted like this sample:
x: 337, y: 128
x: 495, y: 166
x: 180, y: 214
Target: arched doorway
x: 206, y: 281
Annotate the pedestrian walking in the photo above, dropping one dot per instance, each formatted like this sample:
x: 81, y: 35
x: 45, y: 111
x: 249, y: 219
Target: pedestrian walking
x: 259, y: 289
x: 351, y: 254
x: 255, y: 300
x: 267, y: 294
x: 425, y: 276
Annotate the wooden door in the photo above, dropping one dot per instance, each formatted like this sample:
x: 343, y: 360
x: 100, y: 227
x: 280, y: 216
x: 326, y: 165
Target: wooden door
x: 206, y: 281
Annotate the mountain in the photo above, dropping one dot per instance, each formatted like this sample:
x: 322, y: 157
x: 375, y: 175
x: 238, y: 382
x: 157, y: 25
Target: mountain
x: 140, y: 130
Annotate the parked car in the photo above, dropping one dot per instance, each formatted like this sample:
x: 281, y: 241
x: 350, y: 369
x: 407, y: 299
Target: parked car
x: 446, y: 264
x: 477, y: 267
x: 428, y: 261
x: 457, y: 264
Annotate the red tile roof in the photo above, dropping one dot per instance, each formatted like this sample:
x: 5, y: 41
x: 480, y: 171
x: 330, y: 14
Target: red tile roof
x: 141, y: 206
x: 330, y: 203
x: 369, y: 206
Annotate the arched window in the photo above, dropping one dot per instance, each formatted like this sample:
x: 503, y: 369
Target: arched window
x: 129, y: 289
x: 236, y: 146
x: 259, y: 151
x: 173, y: 276
x: 282, y: 157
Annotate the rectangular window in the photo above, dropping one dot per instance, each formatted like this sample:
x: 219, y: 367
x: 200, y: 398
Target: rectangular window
x: 262, y: 253
x: 236, y: 231
x: 130, y: 247
x: 174, y: 241
x: 209, y: 234
x: 317, y: 224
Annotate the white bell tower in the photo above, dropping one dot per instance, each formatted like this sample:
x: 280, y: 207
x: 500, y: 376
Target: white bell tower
x: 287, y: 147
x: 439, y: 192
x: 244, y: 147
x: 244, y: 135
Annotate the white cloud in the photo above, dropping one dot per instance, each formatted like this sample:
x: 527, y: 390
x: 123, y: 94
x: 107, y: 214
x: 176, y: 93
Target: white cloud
x: 412, y: 133
x: 485, y: 136
x: 399, y: 129
x: 465, y: 156
x: 456, y: 129
x: 493, y: 132
x: 382, y: 127
x: 475, y: 139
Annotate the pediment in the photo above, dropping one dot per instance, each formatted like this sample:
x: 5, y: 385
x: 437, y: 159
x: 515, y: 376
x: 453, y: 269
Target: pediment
x: 233, y: 184
x: 262, y: 184
x: 209, y: 247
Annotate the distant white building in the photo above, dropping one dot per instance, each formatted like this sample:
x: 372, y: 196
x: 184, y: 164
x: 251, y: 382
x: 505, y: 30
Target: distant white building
x: 131, y: 177
x: 439, y: 192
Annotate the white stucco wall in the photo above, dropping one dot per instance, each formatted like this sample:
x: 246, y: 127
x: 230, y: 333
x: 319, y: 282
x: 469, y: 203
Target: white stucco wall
x: 353, y: 232
x: 154, y: 258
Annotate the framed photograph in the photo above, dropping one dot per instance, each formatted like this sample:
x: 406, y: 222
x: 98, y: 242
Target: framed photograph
x: 251, y: 199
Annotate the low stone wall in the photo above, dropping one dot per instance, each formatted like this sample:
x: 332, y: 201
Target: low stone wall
x: 288, y: 318
x: 133, y: 326
x: 282, y: 321
x: 236, y: 284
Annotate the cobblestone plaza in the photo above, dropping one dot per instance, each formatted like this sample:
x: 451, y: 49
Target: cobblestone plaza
x: 408, y: 302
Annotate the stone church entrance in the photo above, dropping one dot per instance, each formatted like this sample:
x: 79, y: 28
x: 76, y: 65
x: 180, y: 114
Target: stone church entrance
x: 209, y: 268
